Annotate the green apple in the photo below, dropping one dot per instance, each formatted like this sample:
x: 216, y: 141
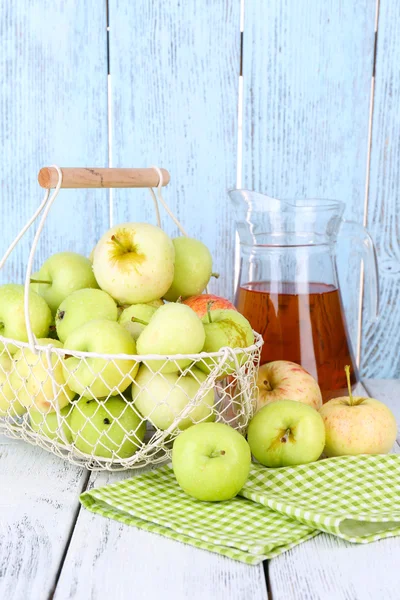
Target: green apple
x: 211, y: 461
x: 286, y: 433
x: 62, y: 274
x: 173, y: 329
x: 162, y: 398
x: 193, y: 269
x: 9, y: 405
x: 12, y: 315
x: 134, y: 262
x: 99, y: 377
x: 110, y: 428
x: 30, y: 380
x: 47, y: 423
x: 135, y: 318
x: 223, y: 328
x: 83, y: 306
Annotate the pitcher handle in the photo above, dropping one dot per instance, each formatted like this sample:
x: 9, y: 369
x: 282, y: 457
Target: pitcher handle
x: 367, y: 249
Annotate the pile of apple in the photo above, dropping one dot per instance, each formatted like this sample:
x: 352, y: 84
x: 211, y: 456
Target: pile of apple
x: 113, y: 304
x: 211, y: 461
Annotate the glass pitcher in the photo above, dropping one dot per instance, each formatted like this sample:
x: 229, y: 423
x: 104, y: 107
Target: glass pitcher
x: 288, y: 286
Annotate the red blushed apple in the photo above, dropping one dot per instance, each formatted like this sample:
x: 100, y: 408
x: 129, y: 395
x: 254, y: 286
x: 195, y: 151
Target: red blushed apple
x: 199, y: 303
x: 284, y: 380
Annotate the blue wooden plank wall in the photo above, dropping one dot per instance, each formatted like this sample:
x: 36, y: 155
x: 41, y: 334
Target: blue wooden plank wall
x: 173, y: 101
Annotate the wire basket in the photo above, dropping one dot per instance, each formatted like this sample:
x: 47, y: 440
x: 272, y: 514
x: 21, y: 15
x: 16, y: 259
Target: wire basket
x: 116, y: 412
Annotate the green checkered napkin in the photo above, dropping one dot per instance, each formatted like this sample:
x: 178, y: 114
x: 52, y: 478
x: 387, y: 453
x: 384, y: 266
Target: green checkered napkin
x: 354, y: 497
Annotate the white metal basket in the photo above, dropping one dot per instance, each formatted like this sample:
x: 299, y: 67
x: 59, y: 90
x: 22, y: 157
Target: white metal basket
x: 118, y: 420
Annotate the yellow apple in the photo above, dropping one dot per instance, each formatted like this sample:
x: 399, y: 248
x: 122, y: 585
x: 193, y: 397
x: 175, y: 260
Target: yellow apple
x: 31, y: 382
x: 9, y: 405
x: 357, y: 425
x: 285, y: 380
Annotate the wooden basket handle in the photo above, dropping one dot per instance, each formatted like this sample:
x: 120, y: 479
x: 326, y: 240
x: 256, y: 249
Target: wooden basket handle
x: 101, y: 178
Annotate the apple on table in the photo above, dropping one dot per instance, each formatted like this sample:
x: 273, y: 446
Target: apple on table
x: 286, y: 433
x: 357, y: 425
x: 211, y: 461
x: 285, y: 380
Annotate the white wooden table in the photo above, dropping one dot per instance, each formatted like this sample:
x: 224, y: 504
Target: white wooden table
x: 51, y: 548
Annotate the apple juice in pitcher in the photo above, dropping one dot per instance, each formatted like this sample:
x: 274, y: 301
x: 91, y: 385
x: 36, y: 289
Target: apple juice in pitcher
x: 288, y: 285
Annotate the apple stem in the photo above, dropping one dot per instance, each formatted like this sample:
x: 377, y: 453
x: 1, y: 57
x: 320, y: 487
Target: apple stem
x: 286, y: 435
x: 215, y: 275
x: 351, y: 399
x: 209, y: 305
x: 217, y: 453
x: 116, y: 240
x: 40, y: 281
x: 136, y: 320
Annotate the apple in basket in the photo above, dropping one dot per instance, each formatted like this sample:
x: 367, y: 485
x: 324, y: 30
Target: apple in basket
x: 96, y: 377
x: 204, y: 302
x: 83, y: 306
x: 31, y: 382
x: 46, y: 424
x: 136, y: 317
x: 12, y: 314
x: 225, y: 328
x: 193, y: 269
x: 211, y: 461
x: 9, y: 405
x: 108, y: 428
x: 173, y: 329
x: 286, y: 433
x: 163, y: 398
x: 134, y: 262
x: 357, y: 425
x: 62, y: 274
x: 285, y: 380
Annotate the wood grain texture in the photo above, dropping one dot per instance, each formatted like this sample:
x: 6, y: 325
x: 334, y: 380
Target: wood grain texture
x: 174, y: 85
x: 327, y: 568
x: 93, y: 177
x: 381, y: 341
x: 109, y: 560
x: 307, y: 69
x: 38, y: 505
x: 53, y: 110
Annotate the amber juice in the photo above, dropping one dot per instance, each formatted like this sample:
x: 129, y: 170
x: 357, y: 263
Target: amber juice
x: 303, y: 323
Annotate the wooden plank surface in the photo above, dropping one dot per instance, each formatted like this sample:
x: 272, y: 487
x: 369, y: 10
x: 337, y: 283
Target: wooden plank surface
x: 38, y: 506
x: 381, y: 341
x: 174, y: 95
x: 53, y: 110
x: 307, y: 69
x: 107, y: 559
x: 326, y: 568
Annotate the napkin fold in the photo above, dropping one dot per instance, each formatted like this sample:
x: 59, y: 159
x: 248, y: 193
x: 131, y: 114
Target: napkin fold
x: 354, y: 497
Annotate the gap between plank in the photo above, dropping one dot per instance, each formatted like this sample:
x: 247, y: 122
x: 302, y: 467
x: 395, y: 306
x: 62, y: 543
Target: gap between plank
x: 367, y: 184
x: 109, y: 117
x: 69, y: 538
